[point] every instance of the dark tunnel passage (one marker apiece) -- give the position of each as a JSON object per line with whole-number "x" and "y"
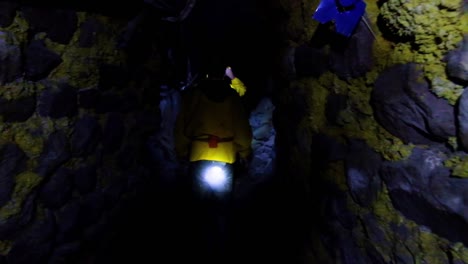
{"x": 156, "y": 227}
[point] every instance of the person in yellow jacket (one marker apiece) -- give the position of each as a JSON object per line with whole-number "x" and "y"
{"x": 212, "y": 131}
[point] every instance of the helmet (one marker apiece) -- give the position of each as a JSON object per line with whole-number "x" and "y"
{"x": 214, "y": 70}
{"x": 213, "y": 82}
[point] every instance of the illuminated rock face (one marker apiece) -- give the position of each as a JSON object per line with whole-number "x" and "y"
{"x": 404, "y": 105}
{"x": 73, "y": 129}
{"x": 384, "y": 156}
{"x": 422, "y": 186}
{"x": 457, "y": 62}
{"x": 463, "y": 119}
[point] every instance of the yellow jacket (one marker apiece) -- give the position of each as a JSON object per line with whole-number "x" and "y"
{"x": 199, "y": 117}
{"x": 239, "y": 86}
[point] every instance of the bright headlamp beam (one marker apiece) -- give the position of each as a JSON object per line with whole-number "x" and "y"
{"x": 215, "y": 177}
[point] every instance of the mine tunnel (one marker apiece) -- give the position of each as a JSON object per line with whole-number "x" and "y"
{"x": 357, "y": 111}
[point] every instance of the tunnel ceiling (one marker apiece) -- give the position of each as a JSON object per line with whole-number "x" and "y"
{"x": 245, "y": 32}
{"x": 242, "y": 30}
{"x": 122, "y": 8}
{"x": 239, "y": 28}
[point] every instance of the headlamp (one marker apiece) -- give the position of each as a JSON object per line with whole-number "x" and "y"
{"x": 215, "y": 177}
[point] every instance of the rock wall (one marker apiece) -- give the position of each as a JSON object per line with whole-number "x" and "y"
{"x": 378, "y": 147}
{"x": 74, "y": 116}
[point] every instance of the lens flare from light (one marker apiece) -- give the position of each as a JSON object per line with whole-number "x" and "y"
{"x": 215, "y": 177}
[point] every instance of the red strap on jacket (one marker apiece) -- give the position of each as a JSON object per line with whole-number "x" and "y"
{"x": 213, "y": 141}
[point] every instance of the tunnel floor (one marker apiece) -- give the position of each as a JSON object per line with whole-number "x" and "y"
{"x": 156, "y": 228}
